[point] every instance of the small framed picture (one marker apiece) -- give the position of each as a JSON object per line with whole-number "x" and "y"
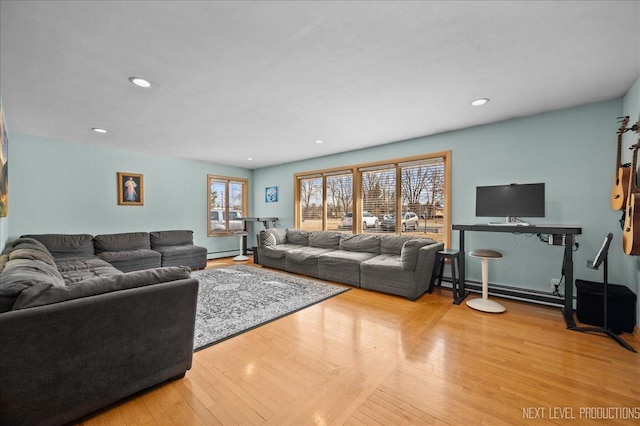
{"x": 130, "y": 189}
{"x": 271, "y": 194}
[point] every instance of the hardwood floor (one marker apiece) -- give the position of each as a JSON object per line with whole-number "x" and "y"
{"x": 370, "y": 358}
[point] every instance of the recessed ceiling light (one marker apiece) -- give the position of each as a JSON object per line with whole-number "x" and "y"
{"x": 98, "y": 130}
{"x": 479, "y": 101}
{"x": 319, "y": 142}
{"x": 140, "y": 82}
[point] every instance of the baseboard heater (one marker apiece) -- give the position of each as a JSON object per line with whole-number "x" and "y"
{"x": 515, "y": 293}
{"x": 221, "y": 253}
{"x": 225, "y": 253}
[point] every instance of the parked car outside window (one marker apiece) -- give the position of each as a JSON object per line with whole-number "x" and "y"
{"x": 368, "y": 220}
{"x": 218, "y": 220}
{"x": 410, "y": 220}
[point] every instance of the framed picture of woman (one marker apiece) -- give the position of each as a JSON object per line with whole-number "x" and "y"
{"x": 130, "y": 189}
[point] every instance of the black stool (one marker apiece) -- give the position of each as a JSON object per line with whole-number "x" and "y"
{"x": 454, "y": 259}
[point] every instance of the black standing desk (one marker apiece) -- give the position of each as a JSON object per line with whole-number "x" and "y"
{"x": 568, "y": 231}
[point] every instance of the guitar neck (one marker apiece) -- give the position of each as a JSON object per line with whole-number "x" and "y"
{"x": 619, "y": 154}
{"x": 633, "y": 187}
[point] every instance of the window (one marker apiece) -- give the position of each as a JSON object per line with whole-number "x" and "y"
{"x": 407, "y": 195}
{"x": 325, "y": 201}
{"x": 339, "y": 188}
{"x": 379, "y": 195}
{"x": 310, "y": 211}
{"x": 227, "y": 200}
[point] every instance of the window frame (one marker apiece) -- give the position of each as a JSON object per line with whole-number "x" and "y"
{"x": 227, "y": 180}
{"x": 357, "y": 170}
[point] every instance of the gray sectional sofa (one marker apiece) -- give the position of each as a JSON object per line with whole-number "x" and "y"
{"x": 395, "y": 264}
{"x": 77, "y": 333}
{"x": 142, "y": 250}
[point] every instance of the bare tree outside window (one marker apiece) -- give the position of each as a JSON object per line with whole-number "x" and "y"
{"x": 228, "y": 204}
{"x": 339, "y": 201}
{"x": 419, "y": 208}
{"x": 311, "y": 203}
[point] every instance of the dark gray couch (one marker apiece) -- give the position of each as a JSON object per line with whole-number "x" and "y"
{"x": 177, "y": 248}
{"x": 132, "y": 251}
{"x": 395, "y": 264}
{"x": 77, "y": 334}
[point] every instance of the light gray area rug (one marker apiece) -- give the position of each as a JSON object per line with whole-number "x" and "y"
{"x": 237, "y": 298}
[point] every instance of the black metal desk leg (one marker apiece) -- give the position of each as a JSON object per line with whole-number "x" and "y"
{"x": 462, "y": 293}
{"x": 568, "y": 284}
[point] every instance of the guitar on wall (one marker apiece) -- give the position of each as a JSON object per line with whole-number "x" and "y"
{"x": 631, "y": 228}
{"x": 621, "y": 178}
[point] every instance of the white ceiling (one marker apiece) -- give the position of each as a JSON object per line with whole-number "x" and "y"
{"x": 233, "y": 80}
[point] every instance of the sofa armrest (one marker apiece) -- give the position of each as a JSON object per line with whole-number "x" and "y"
{"x": 424, "y": 267}
{"x": 61, "y": 361}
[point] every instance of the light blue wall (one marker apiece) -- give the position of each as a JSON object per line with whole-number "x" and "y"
{"x": 63, "y": 187}
{"x": 572, "y": 151}
{"x": 631, "y": 107}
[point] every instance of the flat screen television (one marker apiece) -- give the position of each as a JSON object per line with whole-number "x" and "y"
{"x": 510, "y": 201}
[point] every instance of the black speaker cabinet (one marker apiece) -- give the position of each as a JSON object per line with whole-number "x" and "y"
{"x": 621, "y": 306}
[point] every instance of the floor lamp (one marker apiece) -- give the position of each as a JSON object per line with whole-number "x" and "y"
{"x": 601, "y": 258}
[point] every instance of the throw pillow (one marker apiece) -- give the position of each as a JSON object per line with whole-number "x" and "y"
{"x": 279, "y": 234}
{"x": 268, "y": 239}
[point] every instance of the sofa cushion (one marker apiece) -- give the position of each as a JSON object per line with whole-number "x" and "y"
{"x": 385, "y": 273}
{"x": 360, "y": 243}
{"x": 342, "y": 266}
{"x": 195, "y": 257}
{"x": 305, "y": 253}
{"x": 304, "y": 260}
{"x": 22, "y": 274}
{"x": 170, "y": 238}
{"x": 30, "y": 265}
{"x": 76, "y": 269}
{"x": 28, "y": 248}
{"x": 409, "y": 252}
{"x": 100, "y": 285}
{"x": 278, "y": 251}
{"x": 25, "y": 240}
{"x": 392, "y": 244}
{"x": 121, "y": 242}
{"x": 132, "y": 260}
{"x": 64, "y": 245}
{"x": 325, "y": 239}
{"x": 297, "y": 236}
